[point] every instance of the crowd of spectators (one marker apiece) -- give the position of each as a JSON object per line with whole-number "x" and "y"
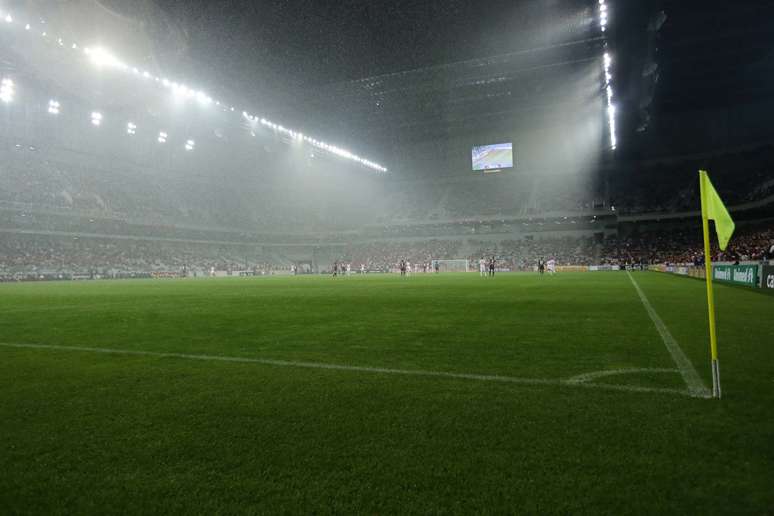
{"x": 33, "y": 181}
{"x": 754, "y": 243}
{"x": 30, "y": 181}
{"x": 25, "y": 254}
{"x": 57, "y": 216}
{"x": 40, "y": 254}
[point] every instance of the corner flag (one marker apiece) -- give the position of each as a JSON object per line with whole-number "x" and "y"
{"x": 712, "y": 208}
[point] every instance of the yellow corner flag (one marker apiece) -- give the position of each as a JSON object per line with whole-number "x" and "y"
{"x": 712, "y": 208}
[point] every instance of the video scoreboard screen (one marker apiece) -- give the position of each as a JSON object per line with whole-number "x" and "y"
{"x": 489, "y": 158}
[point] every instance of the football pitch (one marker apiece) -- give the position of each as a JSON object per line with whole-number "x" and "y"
{"x": 574, "y": 393}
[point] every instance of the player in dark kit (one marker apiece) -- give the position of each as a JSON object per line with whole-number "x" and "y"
{"x": 492, "y": 266}
{"x": 541, "y": 266}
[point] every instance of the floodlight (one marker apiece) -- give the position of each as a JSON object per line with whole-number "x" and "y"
{"x": 189, "y": 145}
{"x": 101, "y": 57}
{"x": 8, "y": 18}
{"x": 53, "y": 107}
{"x": 131, "y": 129}
{"x": 162, "y": 137}
{"x": 203, "y": 97}
{"x": 96, "y": 119}
{"x": 7, "y": 90}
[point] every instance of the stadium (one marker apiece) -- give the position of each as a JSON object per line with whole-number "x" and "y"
{"x": 386, "y": 257}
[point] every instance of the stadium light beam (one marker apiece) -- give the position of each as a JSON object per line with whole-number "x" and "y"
{"x": 103, "y": 58}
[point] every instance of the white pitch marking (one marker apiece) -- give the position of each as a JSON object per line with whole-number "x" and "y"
{"x": 690, "y": 376}
{"x": 587, "y": 377}
{"x": 363, "y": 369}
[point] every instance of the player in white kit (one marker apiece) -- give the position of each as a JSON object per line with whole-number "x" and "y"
{"x": 551, "y": 266}
{"x": 482, "y": 267}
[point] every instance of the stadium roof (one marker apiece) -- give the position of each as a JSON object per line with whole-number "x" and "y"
{"x": 52, "y": 50}
{"x": 694, "y": 65}
{"x": 379, "y": 69}
{"x": 373, "y": 74}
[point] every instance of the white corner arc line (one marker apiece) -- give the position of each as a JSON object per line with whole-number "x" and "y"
{"x": 687, "y": 371}
{"x": 362, "y": 369}
{"x": 587, "y": 377}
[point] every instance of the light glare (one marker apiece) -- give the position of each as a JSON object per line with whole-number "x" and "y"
{"x": 7, "y": 90}
{"x": 101, "y": 58}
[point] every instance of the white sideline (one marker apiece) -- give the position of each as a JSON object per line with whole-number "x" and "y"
{"x": 690, "y": 376}
{"x": 573, "y": 382}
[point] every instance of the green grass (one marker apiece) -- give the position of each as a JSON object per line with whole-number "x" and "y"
{"x": 86, "y": 432}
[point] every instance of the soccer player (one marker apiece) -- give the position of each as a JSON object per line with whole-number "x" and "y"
{"x": 551, "y": 266}
{"x": 482, "y": 267}
{"x": 408, "y": 268}
{"x": 541, "y": 266}
{"x": 349, "y": 269}
{"x": 492, "y": 267}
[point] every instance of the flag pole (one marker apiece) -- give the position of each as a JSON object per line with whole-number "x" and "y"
{"x": 716, "y": 392}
